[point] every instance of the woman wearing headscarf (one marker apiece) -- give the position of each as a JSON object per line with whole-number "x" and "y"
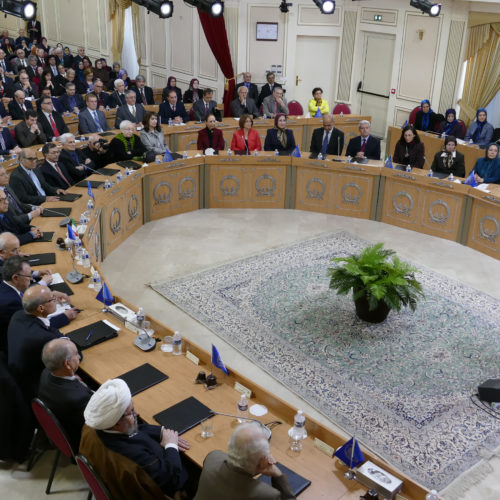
{"x": 451, "y": 126}
{"x": 449, "y": 161}
{"x": 409, "y": 149}
{"x": 480, "y": 131}
{"x": 426, "y": 118}
{"x": 279, "y": 138}
{"x": 171, "y": 85}
{"x": 194, "y": 93}
{"x": 487, "y": 169}
{"x": 101, "y": 72}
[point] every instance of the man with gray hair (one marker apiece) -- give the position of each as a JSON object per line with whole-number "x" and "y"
{"x": 143, "y": 92}
{"x": 71, "y": 101}
{"x": 365, "y": 146}
{"x": 275, "y": 103}
{"x": 62, "y": 390}
{"x": 117, "y": 97}
{"x": 131, "y": 111}
{"x": 229, "y": 476}
{"x": 74, "y": 159}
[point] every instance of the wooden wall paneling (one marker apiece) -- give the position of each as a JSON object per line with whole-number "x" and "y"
{"x": 207, "y": 64}
{"x": 50, "y": 19}
{"x": 71, "y": 33}
{"x": 158, "y": 44}
{"x": 92, "y": 24}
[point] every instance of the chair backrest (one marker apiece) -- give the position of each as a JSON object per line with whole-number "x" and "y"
{"x": 95, "y": 484}
{"x": 52, "y": 427}
{"x": 295, "y": 108}
{"x": 413, "y": 115}
{"x": 341, "y": 108}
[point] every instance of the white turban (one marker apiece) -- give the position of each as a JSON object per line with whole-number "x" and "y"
{"x": 108, "y": 404}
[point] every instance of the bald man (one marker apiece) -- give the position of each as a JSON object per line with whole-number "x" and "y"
{"x": 327, "y": 140}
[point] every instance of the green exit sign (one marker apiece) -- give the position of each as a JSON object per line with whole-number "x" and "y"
{"x": 377, "y": 17}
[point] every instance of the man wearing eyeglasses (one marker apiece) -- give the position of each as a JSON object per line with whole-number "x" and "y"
{"x": 29, "y": 184}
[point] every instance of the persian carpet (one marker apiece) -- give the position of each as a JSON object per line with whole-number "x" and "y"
{"x": 402, "y": 387}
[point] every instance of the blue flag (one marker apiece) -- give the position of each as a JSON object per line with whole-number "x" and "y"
{"x": 217, "y": 360}
{"x": 104, "y": 295}
{"x": 167, "y": 156}
{"x": 296, "y": 152}
{"x": 471, "y": 180}
{"x": 89, "y": 189}
{"x": 388, "y": 162}
{"x": 71, "y": 234}
{"x": 351, "y": 457}
{"x": 318, "y": 114}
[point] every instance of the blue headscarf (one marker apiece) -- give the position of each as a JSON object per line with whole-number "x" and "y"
{"x": 426, "y": 116}
{"x": 450, "y": 126}
{"x": 479, "y": 125}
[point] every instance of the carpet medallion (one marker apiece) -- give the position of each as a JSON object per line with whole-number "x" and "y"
{"x": 402, "y": 387}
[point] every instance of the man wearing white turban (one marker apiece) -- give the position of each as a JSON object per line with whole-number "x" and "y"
{"x": 111, "y": 426}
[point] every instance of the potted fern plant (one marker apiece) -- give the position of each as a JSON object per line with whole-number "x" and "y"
{"x": 380, "y": 281}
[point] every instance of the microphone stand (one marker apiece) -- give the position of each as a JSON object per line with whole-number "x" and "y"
{"x": 73, "y": 276}
{"x": 65, "y": 221}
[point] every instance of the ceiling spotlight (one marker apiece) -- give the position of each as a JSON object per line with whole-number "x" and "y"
{"x": 29, "y": 10}
{"x": 166, "y": 9}
{"x": 213, "y": 7}
{"x": 427, "y": 7}
{"x": 284, "y": 6}
{"x": 18, "y": 8}
{"x": 217, "y": 9}
{"x": 325, "y": 6}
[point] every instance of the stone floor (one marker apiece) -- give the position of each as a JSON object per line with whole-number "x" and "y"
{"x": 199, "y": 240}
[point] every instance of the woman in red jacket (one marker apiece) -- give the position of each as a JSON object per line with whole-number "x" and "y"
{"x": 246, "y": 139}
{"x": 210, "y": 137}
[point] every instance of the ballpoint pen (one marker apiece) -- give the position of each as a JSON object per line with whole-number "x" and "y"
{"x": 89, "y": 335}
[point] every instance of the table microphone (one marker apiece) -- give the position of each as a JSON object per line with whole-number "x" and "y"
{"x": 65, "y": 221}
{"x": 265, "y": 429}
{"x": 95, "y": 171}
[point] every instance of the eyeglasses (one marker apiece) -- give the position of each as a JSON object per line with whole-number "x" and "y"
{"x": 53, "y": 299}
{"x": 24, "y": 275}
{"x": 30, "y": 158}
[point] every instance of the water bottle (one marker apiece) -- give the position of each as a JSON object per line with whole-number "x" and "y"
{"x": 14, "y": 156}
{"x": 229, "y": 152}
{"x": 341, "y": 114}
{"x": 83, "y": 220}
{"x": 276, "y": 152}
{"x": 177, "y": 343}
{"x": 78, "y": 250}
{"x": 185, "y": 155}
{"x": 430, "y": 174}
{"x": 432, "y": 495}
{"x": 96, "y": 281}
{"x": 255, "y": 152}
{"x": 2, "y": 158}
{"x": 264, "y": 116}
{"x": 243, "y": 409}
{"x": 471, "y": 142}
{"x": 157, "y": 160}
{"x": 451, "y": 178}
{"x": 298, "y": 432}
{"x": 107, "y": 184}
{"x": 85, "y": 259}
{"x": 90, "y": 204}
{"x": 107, "y": 108}
{"x": 320, "y": 156}
{"x": 408, "y": 168}
{"x": 140, "y": 317}
{"x": 83, "y": 138}
{"x": 128, "y": 171}
{"x": 119, "y": 177}
{"x": 67, "y": 113}
{"x": 170, "y": 122}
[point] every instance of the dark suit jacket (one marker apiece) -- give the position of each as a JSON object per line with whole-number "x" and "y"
{"x": 26, "y": 138}
{"x": 10, "y": 143}
{"x": 26, "y": 337}
{"x": 31, "y": 72}
{"x": 26, "y": 191}
{"x": 8, "y": 223}
{"x": 335, "y": 145}
{"x": 66, "y": 160}
{"x": 265, "y": 91}
{"x": 457, "y": 167}
{"x": 27, "y": 92}
{"x": 199, "y": 110}
{"x": 123, "y": 113}
{"x": 148, "y": 93}
{"x": 217, "y": 139}
{"x": 47, "y": 129}
{"x": 372, "y": 147}
{"x": 80, "y": 103}
{"x": 8, "y": 65}
{"x": 19, "y": 209}
{"x": 34, "y": 32}
{"x": 3, "y": 110}
{"x": 67, "y": 399}
{"x": 250, "y": 108}
{"x": 104, "y": 97}
{"x": 253, "y": 91}
{"x": 56, "y": 103}
{"x": 272, "y": 143}
{"x": 165, "y": 92}
{"x": 87, "y": 124}
{"x": 166, "y": 112}
{"x": 116, "y": 99}
{"x": 52, "y": 176}
{"x": 16, "y": 111}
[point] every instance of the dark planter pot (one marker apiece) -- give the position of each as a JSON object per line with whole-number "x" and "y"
{"x": 378, "y": 314}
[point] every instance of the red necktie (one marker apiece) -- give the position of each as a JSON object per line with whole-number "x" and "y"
{"x": 54, "y": 128}
{"x": 173, "y": 109}
{"x": 59, "y": 171}
{"x": 363, "y": 144}
{"x": 206, "y": 109}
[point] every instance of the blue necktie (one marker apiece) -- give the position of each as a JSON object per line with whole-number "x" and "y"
{"x": 325, "y": 144}
{"x": 36, "y": 182}
{"x": 96, "y": 119}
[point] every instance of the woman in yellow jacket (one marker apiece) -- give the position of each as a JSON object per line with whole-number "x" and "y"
{"x": 318, "y": 106}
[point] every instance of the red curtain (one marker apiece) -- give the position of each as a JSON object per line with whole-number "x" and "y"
{"x": 215, "y": 32}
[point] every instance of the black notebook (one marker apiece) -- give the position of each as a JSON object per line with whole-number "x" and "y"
{"x": 42, "y": 259}
{"x": 143, "y": 377}
{"x": 184, "y": 415}
{"x": 297, "y": 483}
{"x": 105, "y": 134}
{"x": 56, "y": 212}
{"x": 129, "y": 163}
{"x": 69, "y": 197}
{"x": 94, "y": 184}
{"x": 61, "y": 287}
{"x": 93, "y": 334}
{"x": 47, "y": 236}
{"x": 108, "y": 171}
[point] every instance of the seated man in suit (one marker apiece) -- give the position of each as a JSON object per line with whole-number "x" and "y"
{"x": 28, "y": 182}
{"x": 53, "y": 124}
{"x": 144, "y": 93}
{"x": 63, "y": 392}
{"x": 7, "y": 143}
{"x": 74, "y": 159}
{"x": 55, "y": 174}
{"x": 20, "y": 60}
{"x": 268, "y": 88}
{"x": 71, "y": 101}
{"x": 4, "y": 62}
{"x": 102, "y": 97}
{"x": 253, "y": 92}
{"x": 228, "y": 476}
{"x": 327, "y": 140}
{"x": 275, "y": 103}
{"x": 111, "y": 425}
{"x": 173, "y": 110}
{"x": 47, "y": 91}
{"x": 132, "y": 111}
{"x": 92, "y": 120}
{"x": 206, "y": 106}
{"x": 244, "y": 105}
{"x": 117, "y": 98}
{"x": 365, "y": 146}
{"x": 18, "y": 106}
{"x": 29, "y": 88}
{"x": 22, "y": 38}
{"x": 29, "y": 131}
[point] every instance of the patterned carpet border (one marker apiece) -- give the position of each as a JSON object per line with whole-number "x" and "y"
{"x": 403, "y": 387}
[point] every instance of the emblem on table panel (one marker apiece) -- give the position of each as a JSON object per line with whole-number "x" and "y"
{"x": 133, "y": 207}
{"x": 402, "y": 203}
{"x": 187, "y": 192}
{"x": 229, "y": 185}
{"x": 439, "y": 211}
{"x": 351, "y": 193}
{"x": 115, "y": 220}
{"x": 315, "y": 188}
{"x": 489, "y": 228}
{"x": 162, "y": 192}
{"x": 265, "y": 185}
